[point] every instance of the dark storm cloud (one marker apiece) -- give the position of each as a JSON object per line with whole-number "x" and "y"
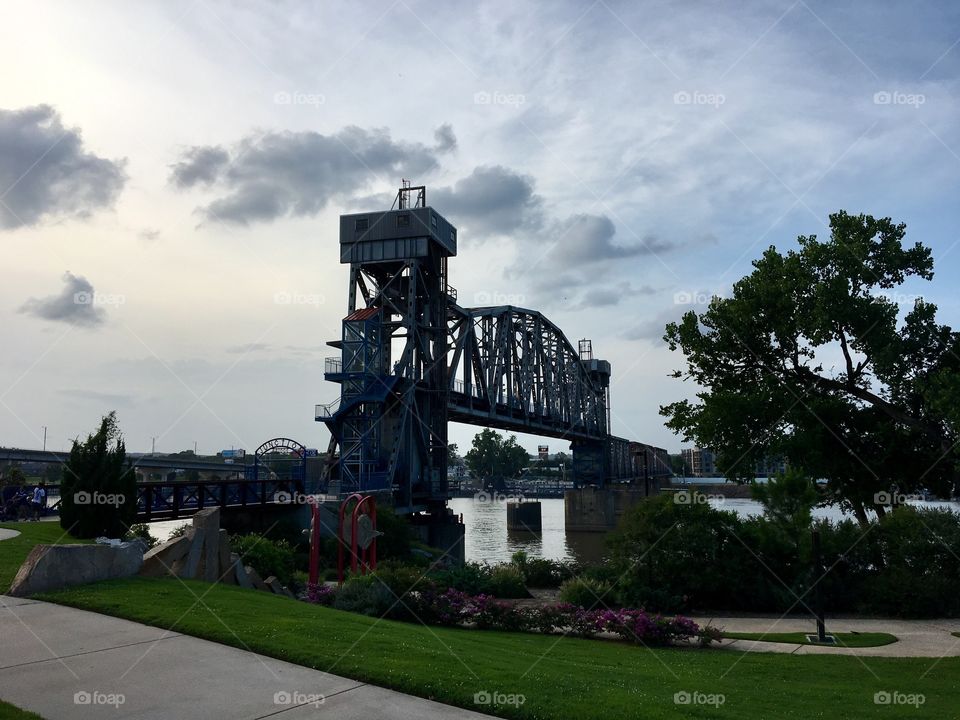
{"x": 584, "y": 239}
{"x": 74, "y": 304}
{"x": 446, "y": 140}
{"x": 45, "y": 170}
{"x": 490, "y": 200}
{"x": 198, "y": 166}
{"x": 278, "y": 174}
{"x": 610, "y": 296}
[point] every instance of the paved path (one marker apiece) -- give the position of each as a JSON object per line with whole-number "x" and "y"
{"x": 916, "y": 638}
{"x": 6, "y": 534}
{"x": 52, "y": 658}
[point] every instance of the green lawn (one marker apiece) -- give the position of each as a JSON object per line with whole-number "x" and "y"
{"x": 15, "y": 550}
{"x": 11, "y": 712}
{"x": 850, "y": 639}
{"x": 559, "y": 677}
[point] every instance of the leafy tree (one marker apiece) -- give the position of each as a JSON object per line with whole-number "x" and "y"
{"x": 99, "y": 489}
{"x": 494, "y": 458}
{"x": 14, "y": 476}
{"x": 883, "y": 422}
{"x": 53, "y": 473}
{"x": 788, "y": 499}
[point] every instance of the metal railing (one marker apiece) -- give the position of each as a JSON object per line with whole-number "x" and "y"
{"x": 333, "y": 365}
{"x": 327, "y": 410}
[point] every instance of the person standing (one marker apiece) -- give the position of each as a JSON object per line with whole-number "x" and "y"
{"x": 39, "y": 500}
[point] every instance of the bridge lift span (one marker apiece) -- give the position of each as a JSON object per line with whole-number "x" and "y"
{"x": 411, "y": 359}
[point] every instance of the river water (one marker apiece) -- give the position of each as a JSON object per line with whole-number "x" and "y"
{"x": 487, "y": 538}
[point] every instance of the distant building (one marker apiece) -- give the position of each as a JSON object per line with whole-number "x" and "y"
{"x": 699, "y": 462}
{"x": 771, "y": 466}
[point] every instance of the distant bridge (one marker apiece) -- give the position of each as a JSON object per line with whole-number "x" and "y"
{"x": 250, "y": 486}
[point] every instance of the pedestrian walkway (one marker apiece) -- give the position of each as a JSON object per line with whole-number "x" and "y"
{"x": 915, "y": 638}
{"x": 64, "y": 663}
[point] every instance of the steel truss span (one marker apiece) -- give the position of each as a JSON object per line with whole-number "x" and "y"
{"x": 513, "y": 368}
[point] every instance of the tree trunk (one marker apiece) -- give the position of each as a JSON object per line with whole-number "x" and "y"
{"x": 861, "y": 514}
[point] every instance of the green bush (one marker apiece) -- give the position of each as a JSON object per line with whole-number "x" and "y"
{"x": 365, "y": 594}
{"x": 675, "y": 557}
{"x": 506, "y": 581}
{"x": 267, "y": 557}
{"x": 98, "y": 494}
{"x": 403, "y": 579}
{"x": 540, "y": 572}
{"x": 179, "y": 531}
{"x": 921, "y": 569}
{"x": 471, "y": 578}
{"x": 141, "y": 531}
{"x": 587, "y": 593}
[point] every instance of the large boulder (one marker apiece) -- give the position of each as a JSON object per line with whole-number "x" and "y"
{"x": 161, "y": 560}
{"x": 51, "y": 567}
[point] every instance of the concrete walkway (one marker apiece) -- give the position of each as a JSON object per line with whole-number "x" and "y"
{"x": 6, "y": 533}
{"x": 915, "y": 638}
{"x": 61, "y": 662}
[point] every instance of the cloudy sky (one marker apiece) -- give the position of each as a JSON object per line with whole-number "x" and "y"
{"x": 171, "y": 175}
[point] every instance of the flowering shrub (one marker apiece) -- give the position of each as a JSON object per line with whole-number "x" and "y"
{"x": 320, "y": 594}
{"x": 441, "y": 608}
{"x": 453, "y": 607}
{"x": 485, "y": 611}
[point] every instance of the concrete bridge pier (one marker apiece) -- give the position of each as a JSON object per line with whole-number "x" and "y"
{"x": 596, "y": 509}
{"x": 524, "y": 516}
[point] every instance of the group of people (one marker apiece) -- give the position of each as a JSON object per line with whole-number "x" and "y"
{"x": 23, "y": 503}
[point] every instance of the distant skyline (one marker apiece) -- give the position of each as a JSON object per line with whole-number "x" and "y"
{"x": 171, "y": 176}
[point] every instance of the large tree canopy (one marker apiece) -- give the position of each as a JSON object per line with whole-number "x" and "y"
{"x": 810, "y": 360}
{"x": 494, "y": 458}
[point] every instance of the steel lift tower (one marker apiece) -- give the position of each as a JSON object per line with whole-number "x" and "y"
{"x": 390, "y": 425}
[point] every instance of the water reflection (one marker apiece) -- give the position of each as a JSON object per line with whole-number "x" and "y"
{"x": 487, "y": 538}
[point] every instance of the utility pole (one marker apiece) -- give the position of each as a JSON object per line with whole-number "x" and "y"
{"x": 194, "y": 447}
{"x": 153, "y": 446}
{"x": 44, "y": 438}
